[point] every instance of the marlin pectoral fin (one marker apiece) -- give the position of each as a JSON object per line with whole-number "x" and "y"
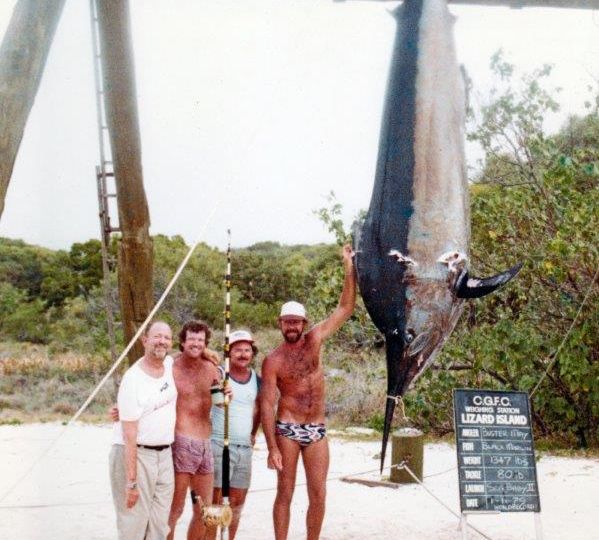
{"x": 469, "y": 287}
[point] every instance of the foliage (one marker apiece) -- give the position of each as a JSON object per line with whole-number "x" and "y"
{"x": 534, "y": 200}
{"x": 21, "y": 265}
{"x": 21, "y": 319}
{"x": 359, "y": 331}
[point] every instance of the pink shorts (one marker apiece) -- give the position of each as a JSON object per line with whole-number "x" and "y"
{"x": 192, "y": 456}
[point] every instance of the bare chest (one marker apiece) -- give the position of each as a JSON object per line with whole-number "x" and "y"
{"x": 300, "y": 366}
{"x": 193, "y": 384}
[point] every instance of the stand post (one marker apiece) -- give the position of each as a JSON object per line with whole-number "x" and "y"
{"x": 407, "y": 444}
{"x": 464, "y": 526}
{"x": 538, "y": 526}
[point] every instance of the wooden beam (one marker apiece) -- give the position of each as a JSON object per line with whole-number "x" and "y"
{"x": 23, "y": 56}
{"x": 135, "y": 260}
{"x": 517, "y": 4}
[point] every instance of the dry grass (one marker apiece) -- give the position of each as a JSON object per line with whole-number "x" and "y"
{"x": 37, "y": 362}
{"x": 36, "y": 385}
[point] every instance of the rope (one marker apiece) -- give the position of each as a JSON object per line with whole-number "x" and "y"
{"x": 567, "y": 334}
{"x": 401, "y": 415}
{"x": 331, "y": 478}
{"x": 405, "y": 466}
{"x": 401, "y": 465}
{"x": 118, "y": 361}
{"x": 52, "y": 505}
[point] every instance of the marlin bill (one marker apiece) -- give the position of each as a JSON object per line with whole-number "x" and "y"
{"x": 412, "y": 249}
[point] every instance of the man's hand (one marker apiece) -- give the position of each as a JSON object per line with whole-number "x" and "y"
{"x": 113, "y": 413}
{"x": 348, "y": 254}
{"x": 211, "y": 356}
{"x": 131, "y": 495}
{"x": 228, "y": 391}
{"x": 275, "y": 459}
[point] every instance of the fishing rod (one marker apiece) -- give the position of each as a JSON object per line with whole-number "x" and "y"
{"x": 221, "y": 515}
{"x": 226, "y": 459}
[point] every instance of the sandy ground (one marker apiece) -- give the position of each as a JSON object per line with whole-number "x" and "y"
{"x": 67, "y": 495}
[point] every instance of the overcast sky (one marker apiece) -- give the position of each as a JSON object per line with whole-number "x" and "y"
{"x": 264, "y": 105}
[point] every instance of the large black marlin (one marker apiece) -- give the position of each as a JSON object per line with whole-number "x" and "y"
{"x": 412, "y": 250}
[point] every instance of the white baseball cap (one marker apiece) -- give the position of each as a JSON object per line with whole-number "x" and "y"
{"x": 240, "y": 335}
{"x": 294, "y": 309}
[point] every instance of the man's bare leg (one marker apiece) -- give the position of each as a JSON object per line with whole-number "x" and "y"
{"x": 285, "y": 485}
{"x": 316, "y": 463}
{"x": 236, "y": 500}
{"x": 178, "y": 504}
{"x": 202, "y": 485}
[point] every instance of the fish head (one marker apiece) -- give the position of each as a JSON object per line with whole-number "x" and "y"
{"x": 428, "y": 313}
{"x": 431, "y": 313}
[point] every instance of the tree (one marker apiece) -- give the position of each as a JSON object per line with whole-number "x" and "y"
{"x": 534, "y": 201}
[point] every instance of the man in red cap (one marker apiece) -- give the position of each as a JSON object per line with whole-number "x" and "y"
{"x": 295, "y": 369}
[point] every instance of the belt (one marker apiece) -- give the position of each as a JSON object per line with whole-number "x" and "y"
{"x": 159, "y": 448}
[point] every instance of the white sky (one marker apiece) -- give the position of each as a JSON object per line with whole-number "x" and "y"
{"x": 265, "y": 105}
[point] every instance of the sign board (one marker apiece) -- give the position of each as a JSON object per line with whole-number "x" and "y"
{"x": 496, "y": 460}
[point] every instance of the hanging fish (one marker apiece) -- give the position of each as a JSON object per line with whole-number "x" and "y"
{"x": 412, "y": 249}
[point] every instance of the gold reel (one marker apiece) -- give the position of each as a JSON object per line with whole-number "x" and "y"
{"x": 215, "y": 515}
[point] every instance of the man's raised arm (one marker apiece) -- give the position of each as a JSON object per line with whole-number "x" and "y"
{"x": 347, "y": 301}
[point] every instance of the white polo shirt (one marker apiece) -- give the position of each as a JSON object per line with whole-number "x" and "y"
{"x": 150, "y": 401}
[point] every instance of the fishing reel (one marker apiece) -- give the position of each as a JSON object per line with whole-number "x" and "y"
{"x": 214, "y": 515}
{"x": 217, "y": 515}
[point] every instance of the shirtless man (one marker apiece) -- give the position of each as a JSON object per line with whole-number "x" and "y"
{"x": 194, "y": 371}
{"x": 295, "y": 369}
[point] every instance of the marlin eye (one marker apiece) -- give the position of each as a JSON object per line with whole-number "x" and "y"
{"x": 409, "y": 335}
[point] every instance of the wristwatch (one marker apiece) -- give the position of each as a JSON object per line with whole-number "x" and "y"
{"x": 132, "y": 485}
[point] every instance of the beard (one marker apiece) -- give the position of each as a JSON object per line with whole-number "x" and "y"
{"x": 292, "y": 336}
{"x": 159, "y": 353}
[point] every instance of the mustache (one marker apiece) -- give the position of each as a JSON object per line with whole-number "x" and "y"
{"x": 292, "y": 336}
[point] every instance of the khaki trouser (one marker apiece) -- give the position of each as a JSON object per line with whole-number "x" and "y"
{"x": 148, "y": 519}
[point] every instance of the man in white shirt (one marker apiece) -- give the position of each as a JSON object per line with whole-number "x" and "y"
{"x": 141, "y": 463}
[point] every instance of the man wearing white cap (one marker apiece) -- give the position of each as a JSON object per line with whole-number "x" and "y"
{"x": 244, "y": 419}
{"x": 295, "y": 369}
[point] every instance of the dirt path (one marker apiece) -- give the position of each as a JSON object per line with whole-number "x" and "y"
{"x": 67, "y": 495}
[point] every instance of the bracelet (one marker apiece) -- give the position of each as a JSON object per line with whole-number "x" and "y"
{"x": 132, "y": 485}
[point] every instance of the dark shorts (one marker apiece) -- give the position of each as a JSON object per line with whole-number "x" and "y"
{"x": 192, "y": 456}
{"x": 303, "y": 434}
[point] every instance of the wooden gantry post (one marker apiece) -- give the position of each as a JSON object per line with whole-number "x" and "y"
{"x": 135, "y": 259}
{"x": 23, "y": 56}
